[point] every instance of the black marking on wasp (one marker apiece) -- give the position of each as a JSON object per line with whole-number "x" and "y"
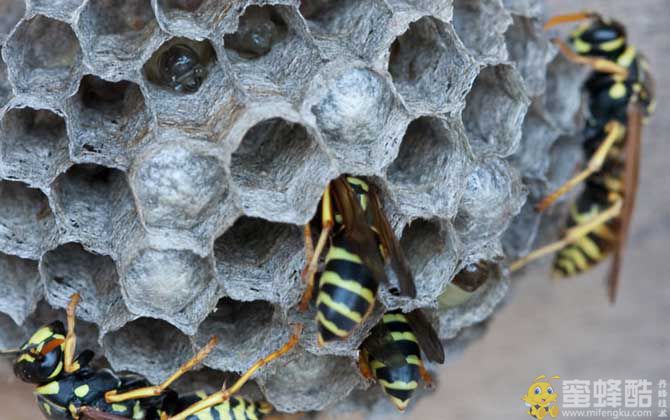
{"x": 361, "y": 243}
{"x": 392, "y": 354}
{"x": 69, "y": 388}
{"x": 620, "y": 97}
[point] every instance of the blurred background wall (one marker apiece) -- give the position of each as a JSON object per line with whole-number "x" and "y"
{"x": 562, "y": 328}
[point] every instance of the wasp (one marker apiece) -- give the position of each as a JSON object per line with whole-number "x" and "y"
{"x": 360, "y": 243}
{"x": 180, "y": 65}
{"x": 620, "y": 97}
{"x": 391, "y": 354}
{"x": 68, "y": 387}
{"x": 464, "y": 285}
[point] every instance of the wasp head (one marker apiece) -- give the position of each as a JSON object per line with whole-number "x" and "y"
{"x": 599, "y": 37}
{"x": 40, "y": 359}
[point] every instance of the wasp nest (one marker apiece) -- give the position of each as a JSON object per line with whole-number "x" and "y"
{"x": 160, "y": 157}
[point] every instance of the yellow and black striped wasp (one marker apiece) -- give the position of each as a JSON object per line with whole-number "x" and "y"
{"x": 392, "y": 354}
{"x": 620, "y": 95}
{"x": 68, "y": 388}
{"x": 361, "y": 243}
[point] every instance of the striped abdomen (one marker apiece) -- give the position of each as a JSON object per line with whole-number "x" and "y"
{"x": 346, "y": 294}
{"x": 400, "y": 380}
{"x": 236, "y": 408}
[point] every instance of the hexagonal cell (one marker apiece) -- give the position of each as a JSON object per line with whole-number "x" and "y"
{"x": 563, "y": 99}
{"x": 89, "y": 198}
{"x": 244, "y": 330}
{"x": 11, "y": 11}
{"x": 114, "y": 35}
{"x": 33, "y": 147}
{"x": 105, "y": 120}
{"x": 494, "y": 111}
{"x": 493, "y": 195}
{"x": 478, "y": 308}
{"x": 295, "y": 170}
{"x": 352, "y": 24}
{"x": 171, "y": 284}
{"x": 481, "y": 25}
{"x": 27, "y": 226}
{"x": 358, "y": 115}
{"x": 69, "y": 269}
{"x": 433, "y": 254}
{"x": 297, "y": 384}
{"x": 531, "y": 50}
{"x": 5, "y": 87}
{"x": 150, "y": 347}
{"x": 470, "y": 281}
{"x": 180, "y": 184}
{"x": 58, "y": 9}
{"x": 270, "y": 51}
{"x": 427, "y": 55}
{"x": 44, "y": 58}
{"x": 257, "y": 259}
{"x": 193, "y": 18}
{"x": 22, "y": 288}
{"x": 426, "y": 175}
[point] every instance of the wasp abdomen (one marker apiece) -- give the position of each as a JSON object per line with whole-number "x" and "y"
{"x": 236, "y": 408}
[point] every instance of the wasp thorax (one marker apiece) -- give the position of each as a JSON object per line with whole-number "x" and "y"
{"x": 258, "y": 30}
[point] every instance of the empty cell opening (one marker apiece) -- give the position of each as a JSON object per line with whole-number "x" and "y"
{"x": 252, "y": 258}
{"x": 147, "y": 346}
{"x": 472, "y": 17}
{"x": 85, "y": 193}
{"x": 11, "y": 335}
{"x": 274, "y": 148}
{"x": 69, "y": 269}
{"x": 181, "y": 64}
{"x": 528, "y": 47}
{"x": 34, "y": 145}
{"x": 259, "y": 30}
{"x": 26, "y": 221}
{"x": 21, "y": 286}
{"x": 424, "y": 153}
{"x": 109, "y": 117}
{"x": 11, "y": 11}
{"x": 47, "y": 55}
{"x": 422, "y": 240}
{"x": 494, "y": 111}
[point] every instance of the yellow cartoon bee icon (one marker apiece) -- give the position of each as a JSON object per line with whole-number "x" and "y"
{"x": 541, "y": 399}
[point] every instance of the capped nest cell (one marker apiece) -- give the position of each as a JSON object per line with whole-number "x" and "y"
{"x": 162, "y": 157}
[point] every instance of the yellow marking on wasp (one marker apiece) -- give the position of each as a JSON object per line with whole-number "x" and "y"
{"x": 264, "y": 407}
{"x": 359, "y": 182}
{"x": 577, "y": 257}
{"x": 394, "y": 318}
{"x": 618, "y": 90}
{"x": 567, "y": 265}
{"x": 119, "y": 408}
{"x": 205, "y": 415}
{"x": 251, "y": 412}
{"x": 590, "y": 248}
{"x": 652, "y": 106}
{"x": 201, "y": 394}
{"x": 337, "y": 253}
{"x": 376, "y": 364}
{"x": 364, "y": 202}
{"x": 613, "y": 184}
{"x": 224, "y": 411}
{"x": 413, "y": 359}
{"x": 41, "y": 335}
{"x": 331, "y": 277}
{"x": 330, "y": 326}
{"x": 581, "y": 46}
{"x": 399, "y": 385}
{"x": 583, "y": 218}
{"x": 238, "y": 411}
{"x": 627, "y": 57}
{"x": 612, "y": 45}
{"x": 81, "y": 391}
{"x": 52, "y": 388}
{"x": 138, "y": 412}
{"x": 399, "y": 336}
{"x": 605, "y": 232}
{"x": 340, "y": 308}
{"x": 27, "y": 357}
{"x": 57, "y": 371}
{"x": 47, "y": 408}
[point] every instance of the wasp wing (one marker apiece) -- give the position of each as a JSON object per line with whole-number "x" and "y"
{"x": 391, "y": 245}
{"x": 90, "y": 413}
{"x": 425, "y": 333}
{"x": 356, "y": 229}
{"x": 631, "y": 175}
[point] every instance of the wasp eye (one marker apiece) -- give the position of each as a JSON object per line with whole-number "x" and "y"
{"x": 538, "y": 391}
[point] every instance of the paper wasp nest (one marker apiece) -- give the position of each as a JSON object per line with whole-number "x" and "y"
{"x": 176, "y": 209}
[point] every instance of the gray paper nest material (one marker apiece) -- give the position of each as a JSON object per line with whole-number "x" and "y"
{"x": 178, "y": 216}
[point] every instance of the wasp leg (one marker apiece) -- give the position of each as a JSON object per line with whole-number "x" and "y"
{"x": 153, "y": 391}
{"x": 69, "y": 364}
{"x": 364, "y": 365}
{"x": 427, "y": 379}
{"x": 615, "y": 131}
{"x": 572, "y": 235}
{"x": 599, "y": 64}
{"x": 568, "y": 18}
{"x": 313, "y": 254}
{"x": 222, "y": 396}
